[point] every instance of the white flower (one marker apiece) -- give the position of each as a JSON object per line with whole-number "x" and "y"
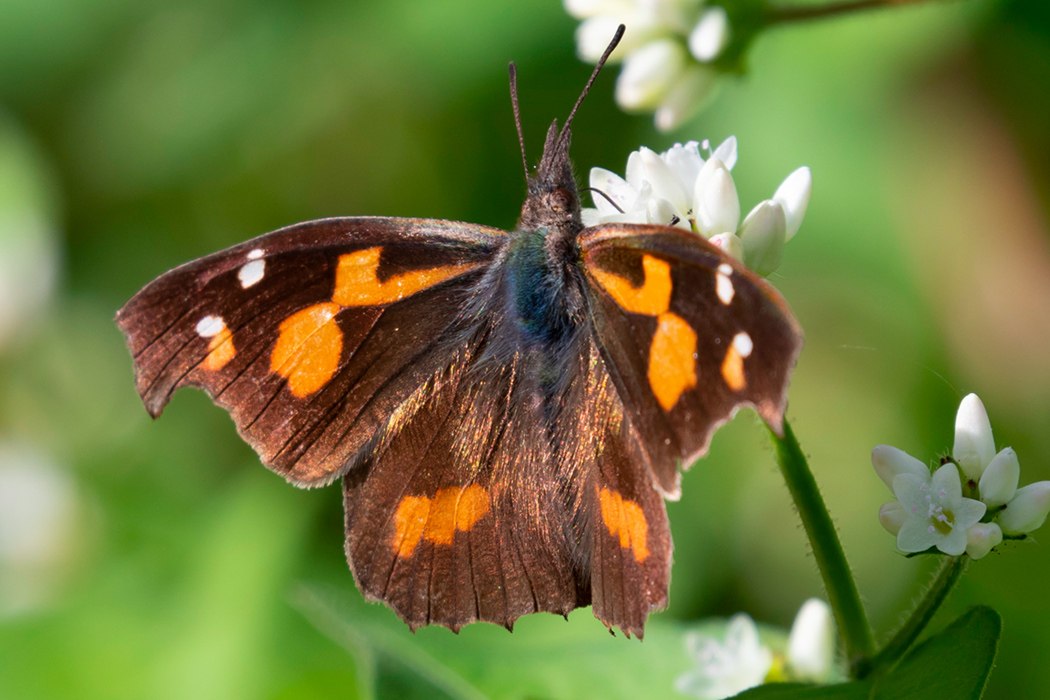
{"x": 811, "y": 644}
{"x": 665, "y": 49}
{"x": 725, "y": 668}
{"x": 932, "y": 512}
{"x": 937, "y": 515}
{"x": 982, "y": 538}
{"x": 974, "y": 446}
{"x": 681, "y": 188}
{"x": 1027, "y": 510}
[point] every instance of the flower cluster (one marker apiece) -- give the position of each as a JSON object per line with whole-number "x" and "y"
{"x": 968, "y": 504}
{"x": 667, "y": 52}
{"x": 679, "y": 187}
{"x": 730, "y": 665}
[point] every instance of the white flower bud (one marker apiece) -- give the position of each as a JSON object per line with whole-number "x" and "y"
{"x": 974, "y": 445}
{"x": 891, "y": 516}
{"x": 730, "y": 244}
{"x": 648, "y": 74}
{"x": 982, "y": 538}
{"x": 811, "y": 644}
{"x": 710, "y": 35}
{"x": 999, "y": 481}
{"x": 1027, "y": 510}
{"x": 793, "y": 195}
{"x": 615, "y": 187}
{"x": 716, "y": 207}
{"x": 662, "y": 213}
{"x": 690, "y": 93}
{"x": 762, "y": 235}
{"x": 890, "y": 461}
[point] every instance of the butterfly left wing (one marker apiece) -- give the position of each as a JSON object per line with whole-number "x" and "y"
{"x": 689, "y": 336}
{"x": 310, "y": 336}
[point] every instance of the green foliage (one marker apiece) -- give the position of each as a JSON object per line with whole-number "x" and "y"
{"x": 953, "y": 664}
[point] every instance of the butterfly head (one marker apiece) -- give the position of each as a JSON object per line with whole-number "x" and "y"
{"x": 553, "y": 203}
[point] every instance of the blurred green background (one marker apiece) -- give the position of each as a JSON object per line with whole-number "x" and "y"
{"x": 160, "y": 560}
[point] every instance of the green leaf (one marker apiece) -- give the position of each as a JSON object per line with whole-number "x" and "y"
{"x": 857, "y": 690}
{"x": 953, "y": 664}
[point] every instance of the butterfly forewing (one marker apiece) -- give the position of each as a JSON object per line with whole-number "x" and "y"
{"x": 689, "y": 334}
{"x": 310, "y": 336}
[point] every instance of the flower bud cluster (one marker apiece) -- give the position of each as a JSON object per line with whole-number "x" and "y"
{"x": 679, "y": 187}
{"x": 970, "y": 503}
{"x": 667, "y": 51}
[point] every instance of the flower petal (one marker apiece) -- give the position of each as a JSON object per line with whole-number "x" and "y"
{"x": 915, "y": 535}
{"x": 793, "y": 195}
{"x": 946, "y": 486}
{"x": 685, "y": 162}
{"x": 891, "y": 516}
{"x": 648, "y": 74}
{"x": 954, "y": 543}
{"x": 911, "y": 490}
{"x": 660, "y": 176}
{"x": 590, "y": 216}
{"x": 1027, "y": 510}
{"x": 762, "y": 235}
{"x": 726, "y": 152}
{"x": 974, "y": 445}
{"x": 982, "y": 538}
{"x": 710, "y": 35}
{"x": 890, "y": 461}
{"x": 999, "y": 481}
{"x": 716, "y": 208}
{"x": 662, "y": 213}
{"x": 811, "y": 643}
{"x": 968, "y": 513}
{"x": 615, "y": 187}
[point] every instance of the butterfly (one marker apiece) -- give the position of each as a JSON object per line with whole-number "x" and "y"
{"x": 507, "y": 411}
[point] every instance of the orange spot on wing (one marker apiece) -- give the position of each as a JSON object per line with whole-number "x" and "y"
{"x": 438, "y": 519}
{"x": 625, "y": 520}
{"x": 409, "y": 522}
{"x": 733, "y": 369}
{"x": 672, "y": 361}
{"x": 308, "y": 349}
{"x": 652, "y": 298}
{"x": 220, "y": 350}
{"x": 357, "y": 282}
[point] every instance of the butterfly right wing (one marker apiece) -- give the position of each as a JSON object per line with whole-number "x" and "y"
{"x": 311, "y": 336}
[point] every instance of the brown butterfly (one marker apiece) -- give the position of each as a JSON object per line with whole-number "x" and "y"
{"x": 507, "y": 411}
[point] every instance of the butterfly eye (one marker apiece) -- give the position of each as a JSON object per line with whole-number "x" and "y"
{"x": 560, "y": 200}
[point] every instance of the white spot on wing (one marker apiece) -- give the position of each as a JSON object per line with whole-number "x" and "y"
{"x": 255, "y": 254}
{"x": 210, "y": 326}
{"x": 725, "y": 269}
{"x": 252, "y": 272}
{"x": 742, "y": 343}
{"x": 724, "y": 286}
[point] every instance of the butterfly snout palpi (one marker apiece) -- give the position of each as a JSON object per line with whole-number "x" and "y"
{"x": 506, "y": 411}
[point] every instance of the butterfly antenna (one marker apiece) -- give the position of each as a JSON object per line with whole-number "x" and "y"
{"x": 517, "y": 114}
{"x": 586, "y": 88}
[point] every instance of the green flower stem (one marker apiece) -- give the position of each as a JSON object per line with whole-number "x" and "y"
{"x": 838, "y": 580}
{"x": 780, "y": 14}
{"x": 949, "y": 573}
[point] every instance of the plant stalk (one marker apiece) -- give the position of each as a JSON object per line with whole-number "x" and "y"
{"x": 782, "y": 14}
{"x": 948, "y": 575}
{"x": 827, "y": 550}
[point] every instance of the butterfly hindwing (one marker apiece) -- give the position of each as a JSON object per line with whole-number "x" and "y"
{"x": 457, "y": 514}
{"x": 690, "y": 335}
{"x": 309, "y": 336}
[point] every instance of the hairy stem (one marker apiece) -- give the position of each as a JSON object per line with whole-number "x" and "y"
{"x": 781, "y": 14}
{"x": 838, "y": 579}
{"x": 946, "y": 578}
